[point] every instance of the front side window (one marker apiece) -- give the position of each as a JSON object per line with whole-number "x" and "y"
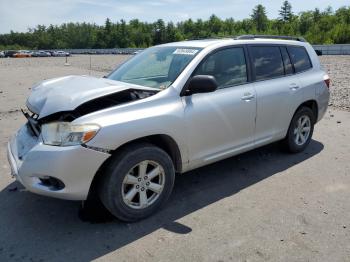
{"x": 228, "y": 66}
{"x": 299, "y": 58}
{"x": 156, "y": 67}
{"x": 267, "y": 62}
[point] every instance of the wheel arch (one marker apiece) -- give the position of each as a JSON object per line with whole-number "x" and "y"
{"x": 312, "y": 104}
{"x": 165, "y": 142}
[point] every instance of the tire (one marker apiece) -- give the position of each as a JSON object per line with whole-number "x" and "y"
{"x": 116, "y": 188}
{"x": 294, "y": 144}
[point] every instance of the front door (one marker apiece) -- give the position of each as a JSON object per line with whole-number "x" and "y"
{"x": 221, "y": 123}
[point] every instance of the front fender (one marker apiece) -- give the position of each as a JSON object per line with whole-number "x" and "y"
{"x": 120, "y": 125}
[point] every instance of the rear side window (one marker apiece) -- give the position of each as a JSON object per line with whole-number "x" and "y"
{"x": 267, "y": 62}
{"x": 228, "y": 66}
{"x": 300, "y": 58}
{"x": 288, "y": 69}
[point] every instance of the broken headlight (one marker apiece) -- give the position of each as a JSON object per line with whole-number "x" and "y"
{"x": 67, "y": 134}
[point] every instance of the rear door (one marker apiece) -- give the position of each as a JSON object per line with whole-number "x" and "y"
{"x": 302, "y": 65}
{"x": 221, "y": 123}
{"x": 276, "y": 88}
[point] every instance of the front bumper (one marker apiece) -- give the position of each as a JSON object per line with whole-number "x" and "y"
{"x": 31, "y": 160}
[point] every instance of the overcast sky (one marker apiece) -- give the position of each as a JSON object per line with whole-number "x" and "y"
{"x": 19, "y": 15}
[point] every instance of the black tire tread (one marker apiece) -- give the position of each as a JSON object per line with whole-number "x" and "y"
{"x": 288, "y": 142}
{"x": 121, "y": 160}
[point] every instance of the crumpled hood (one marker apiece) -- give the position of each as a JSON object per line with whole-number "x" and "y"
{"x": 67, "y": 93}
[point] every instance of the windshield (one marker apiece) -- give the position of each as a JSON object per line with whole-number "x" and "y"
{"x": 156, "y": 67}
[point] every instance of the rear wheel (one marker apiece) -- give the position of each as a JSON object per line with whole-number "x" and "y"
{"x": 300, "y": 130}
{"x": 138, "y": 181}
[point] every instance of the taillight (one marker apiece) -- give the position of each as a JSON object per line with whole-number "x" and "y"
{"x": 327, "y": 80}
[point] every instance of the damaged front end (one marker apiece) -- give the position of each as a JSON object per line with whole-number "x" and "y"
{"x": 100, "y": 103}
{"x": 56, "y": 129}
{"x": 32, "y": 123}
{"x": 55, "y": 122}
{"x": 51, "y": 145}
{"x": 68, "y": 98}
{"x": 55, "y": 103}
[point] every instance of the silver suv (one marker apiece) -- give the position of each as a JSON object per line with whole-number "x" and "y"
{"x": 169, "y": 109}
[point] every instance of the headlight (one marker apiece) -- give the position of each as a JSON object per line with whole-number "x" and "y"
{"x": 67, "y": 134}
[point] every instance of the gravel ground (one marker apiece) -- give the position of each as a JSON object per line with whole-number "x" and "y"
{"x": 264, "y": 205}
{"x": 338, "y": 68}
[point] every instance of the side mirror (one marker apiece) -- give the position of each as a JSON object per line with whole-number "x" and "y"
{"x": 201, "y": 84}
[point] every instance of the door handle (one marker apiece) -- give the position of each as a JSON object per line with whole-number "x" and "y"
{"x": 293, "y": 86}
{"x": 247, "y": 97}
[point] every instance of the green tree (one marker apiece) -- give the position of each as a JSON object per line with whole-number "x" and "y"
{"x": 259, "y": 18}
{"x": 215, "y": 25}
{"x": 107, "y": 34}
{"x": 159, "y": 32}
{"x": 318, "y": 27}
{"x": 285, "y": 12}
{"x": 317, "y": 15}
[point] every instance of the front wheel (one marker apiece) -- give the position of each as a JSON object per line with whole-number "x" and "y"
{"x": 300, "y": 130}
{"x": 138, "y": 181}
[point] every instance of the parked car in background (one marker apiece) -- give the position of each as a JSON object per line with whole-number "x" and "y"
{"x": 22, "y": 53}
{"x": 10, "y": 53}
{"x": 41, "y": 54}
{"x": 49, "y": 51}
{"x": 2, "y": 54}
{"x": 170, "y": 109}
{"x": 60, "y": 53}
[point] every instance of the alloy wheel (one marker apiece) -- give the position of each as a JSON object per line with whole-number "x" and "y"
{"x": 302, "y": 130}
{"x": 143, "y": 184}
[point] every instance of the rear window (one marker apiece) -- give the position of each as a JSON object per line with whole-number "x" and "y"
{"x": 300, "y": 58}
{"x": 267, "y": 62}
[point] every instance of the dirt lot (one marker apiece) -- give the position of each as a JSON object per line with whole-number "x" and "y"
{"x": 264, "y": 205}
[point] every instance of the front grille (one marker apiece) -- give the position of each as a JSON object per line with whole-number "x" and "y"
{"x": 33, "y": 123}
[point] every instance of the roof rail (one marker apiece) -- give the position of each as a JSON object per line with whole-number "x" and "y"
{"x": 284, "y": 37}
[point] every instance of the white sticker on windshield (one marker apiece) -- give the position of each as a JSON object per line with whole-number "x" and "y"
{"x": 183, "y": 51}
